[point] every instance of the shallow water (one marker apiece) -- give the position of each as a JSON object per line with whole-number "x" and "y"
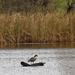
{"x": 58, "y": 61}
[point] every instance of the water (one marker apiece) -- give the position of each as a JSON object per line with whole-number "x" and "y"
{"x": 39, "y": 45}
{"x": 58, "y": 61}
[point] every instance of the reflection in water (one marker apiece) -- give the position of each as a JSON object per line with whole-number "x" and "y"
{"x": 39, "y": 45}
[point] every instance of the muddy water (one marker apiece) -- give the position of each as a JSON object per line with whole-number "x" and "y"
{"x": 58, "y": 61}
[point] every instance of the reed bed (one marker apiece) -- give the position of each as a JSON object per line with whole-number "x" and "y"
{"x": 37, "y": 28}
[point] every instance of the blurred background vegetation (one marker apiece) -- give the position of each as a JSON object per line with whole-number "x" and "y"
{"x": 9, "y": 6}
{"x": 37, "y": 21}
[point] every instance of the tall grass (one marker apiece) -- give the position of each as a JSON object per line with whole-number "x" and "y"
{"x": 37, "y": 28}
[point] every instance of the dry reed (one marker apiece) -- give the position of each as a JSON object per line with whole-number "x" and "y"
{"x": 36, "y": 28}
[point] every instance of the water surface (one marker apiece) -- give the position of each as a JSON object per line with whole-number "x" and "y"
{"x": 58, "y": 61}
{"x": 39, "y": 45}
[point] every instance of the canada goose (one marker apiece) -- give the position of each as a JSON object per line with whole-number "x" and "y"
{"x": 32, "y": 59}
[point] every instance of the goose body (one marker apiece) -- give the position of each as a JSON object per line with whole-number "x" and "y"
{"x": 32, "y": 59}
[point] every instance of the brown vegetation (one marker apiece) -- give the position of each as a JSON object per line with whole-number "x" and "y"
{"x": 37, "y": 28}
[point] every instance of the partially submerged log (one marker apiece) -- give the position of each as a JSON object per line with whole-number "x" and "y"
{"x": 34, "y": 64}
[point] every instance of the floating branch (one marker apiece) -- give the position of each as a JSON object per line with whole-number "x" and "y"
{"x": 35, "y": 64}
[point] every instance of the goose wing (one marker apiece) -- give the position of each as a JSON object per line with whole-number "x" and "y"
{"x": 32, "y": 59}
